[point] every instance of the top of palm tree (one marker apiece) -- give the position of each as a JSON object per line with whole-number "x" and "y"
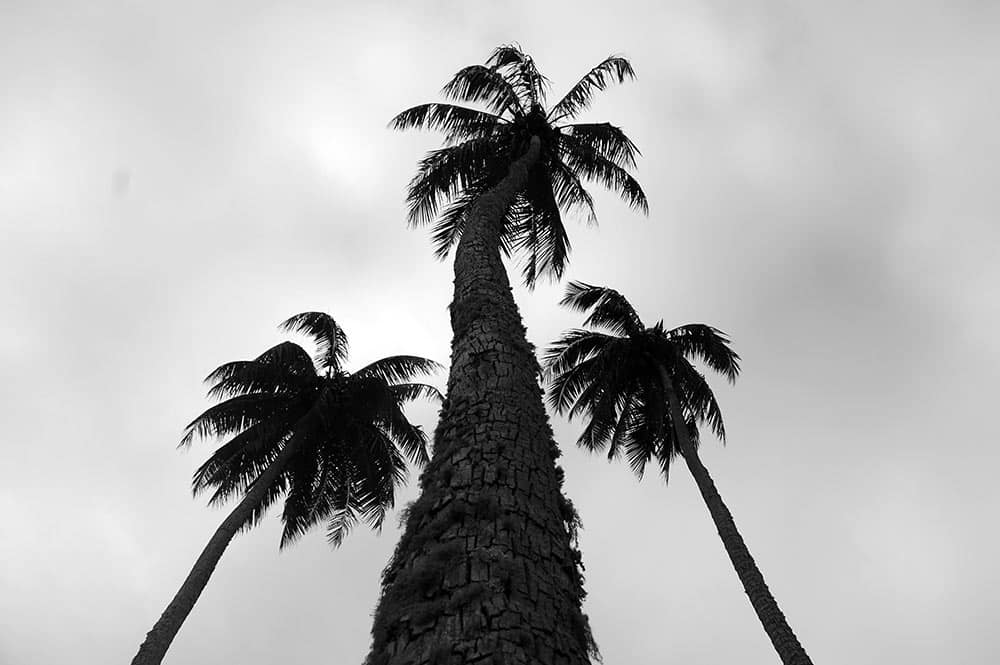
{"x": 481, "y": 144}
{"x": 615, "y": 378}
{"x": 352, "y": 435}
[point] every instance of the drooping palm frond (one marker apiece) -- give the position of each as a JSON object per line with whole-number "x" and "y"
{"x": 608, "y": 308}
{"x": 235, "y": 415}
{"x": 707, "y": 344}
{"x": 479, "y": 83}
{"x": 583, "y": 158}
{"x": 697, "y": 399}
{"x": 330, "y": 338}
{"x": 570, "y": 193}
{"x": 612, "y": 68}
{"x": 573, "y": 348}
{"x": 445, "y": 174}
{"x": 606, "y": 140}
{"x": 283, "y": 368}
{"x": 239, "y": 457}
{"x": 538, "y": 232}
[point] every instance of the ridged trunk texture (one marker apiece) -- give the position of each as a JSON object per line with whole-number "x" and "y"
{"x": 485, "y": 571}
{"x": 158, "y": 640}
{"x": 764, "y": 604}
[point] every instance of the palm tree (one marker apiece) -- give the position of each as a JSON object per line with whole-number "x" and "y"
{"x": 486, "y": 564}
{"x": 334, "y": 443}
{"x": 643, "y": 398}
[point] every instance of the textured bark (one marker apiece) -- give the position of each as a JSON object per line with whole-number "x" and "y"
{"x": 764, "y": 604}
{"x": 158, "y": 640}
{"x": 485, "y": 571}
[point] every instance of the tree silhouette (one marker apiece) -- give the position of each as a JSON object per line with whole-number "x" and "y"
{"x": 643, "y": 399}
{"x": 486, "y": 564}
{"x": 333, "y": 443}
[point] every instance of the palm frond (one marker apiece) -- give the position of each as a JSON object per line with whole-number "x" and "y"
{"x": 238, "y": 474}
{"x": 330, "y": 338}
{"x": 570, "y": 193}
{"x": 479, "y": 83}
{"x": 289, "y": 357}
{"x": 521, "y": 72}
{"x": 235, "y": 415}
{"x": 394, "y": 369}
{"x": 582, "y": 158}
{"x": 605, "y": 140}
{"x": 605, "y": 408}
{"x": 457, "y": 122}
{"x": 253, "y": 376}
{"x": 612, "y": 68}
{"x": 540, "y": 233}
{"x": 697, "y": 398}
{"x": 621, "y": 436}
{"x": 249, "y": 450}
{"x": 443, "y": 175}
{"x": 300, "y": 514}
{"x": 708, "y": 344}
{"x": 408, "y": 392}
{"x": 572, "y": 348}
{"x": 608, "y": 308}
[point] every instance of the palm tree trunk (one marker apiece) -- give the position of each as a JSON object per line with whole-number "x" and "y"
{"x": 764, "y": 604}
{"x": 485, "y": 567}
{"x": 158, "y": 640}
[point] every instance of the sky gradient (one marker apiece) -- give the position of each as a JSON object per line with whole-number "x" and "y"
{"x": 176, "y": 179}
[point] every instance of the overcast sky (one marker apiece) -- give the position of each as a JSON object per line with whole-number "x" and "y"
{"x": 176, "y": 178}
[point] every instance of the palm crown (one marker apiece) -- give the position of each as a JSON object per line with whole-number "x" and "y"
{"x": 351, "y": 435}
{"x": 480, "y": 144}
{"x": 620, "y": 378}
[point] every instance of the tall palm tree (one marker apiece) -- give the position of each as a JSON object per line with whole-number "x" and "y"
{"x": 486, "y": 564}
{"x": 643, "y": 398}
{"x": 334, "y": 443}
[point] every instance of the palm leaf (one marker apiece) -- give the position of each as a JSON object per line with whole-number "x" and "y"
{"x": 457, "y": 122}
{"x": 608, "y": 308}
{"x": 582, "y": 158}
{"x": 540, "y": 233}
{"x": 408, "y": 392}
{"x": 235, "y": 415}
{"x": 479, "y": 83}
{"x": 612, "y": 68}
{"x": 570, "y": 193}
{"x": 330, "y": 338}
{"x": 394, "y": 369}
{"x": 708, "y": 344}
{"x": 605, "y": 140}
{"x": 521, "y": 72}
{"x": 444, "y": 174}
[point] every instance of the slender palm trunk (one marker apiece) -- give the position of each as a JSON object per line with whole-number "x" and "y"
{"x": 764, "y": 604}
{"x": 485, "y": 571}
{"x": 158, "y": 640}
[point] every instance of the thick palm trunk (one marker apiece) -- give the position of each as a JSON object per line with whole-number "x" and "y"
{"x": 764, "y": 604}
{"x": 158, "y": 640}
{"x": 485, "y": 571}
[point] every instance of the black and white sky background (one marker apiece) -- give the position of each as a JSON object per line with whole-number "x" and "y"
{"x": 177, "y": 178}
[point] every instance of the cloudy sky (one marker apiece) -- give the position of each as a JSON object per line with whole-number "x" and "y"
{"x": 177, "y": 178}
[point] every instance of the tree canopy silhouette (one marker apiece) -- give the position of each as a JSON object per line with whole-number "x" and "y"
{"x": 642, "y": 397}
{"x": 333, "y": 443}
{"x": 480, "y": 145}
